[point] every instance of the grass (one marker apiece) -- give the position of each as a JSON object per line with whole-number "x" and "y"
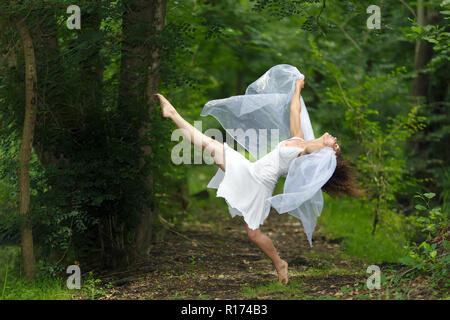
{"x": 17, "y": 288}
{"x": 275, "y": 290}
{"x": 352, "y": 220}
{"x": 14, "y": 286}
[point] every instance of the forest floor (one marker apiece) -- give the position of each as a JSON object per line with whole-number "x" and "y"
{"x": 216, "y": 260}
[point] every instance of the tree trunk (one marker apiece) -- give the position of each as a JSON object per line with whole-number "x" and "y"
{"x": 144, "y": 231}
{"x": 25, "y": 148}
{"x": 142, "y": 20}
{"x": 423, "y": 51}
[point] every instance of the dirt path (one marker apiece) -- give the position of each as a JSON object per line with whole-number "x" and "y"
{"x": 217, "y": 261}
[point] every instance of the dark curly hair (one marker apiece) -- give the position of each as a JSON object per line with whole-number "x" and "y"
{"x": 343, "y": 181}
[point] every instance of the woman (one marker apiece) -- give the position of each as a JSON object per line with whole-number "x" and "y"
{"x": 247, "y": 186}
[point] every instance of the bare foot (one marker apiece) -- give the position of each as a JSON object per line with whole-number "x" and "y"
{"x": 167, "y": 109}
{"x": 282, "y": 270}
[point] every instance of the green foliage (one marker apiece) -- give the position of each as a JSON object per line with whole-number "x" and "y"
{"x": 430, "y": 256}
{"x": 93, "y": 288}
{"x": 13, "y": 286}
{"x": 41, "y": 289}
{"x": 445, "y": 196}
{"x": 437, "y": 34}
{"x": 378, "y": 139}
{"x": 86, "y": 166}
{"x": 8, "y": 206}
{"x": 350, "y": 221}
{"x": 308, "y": 12}
{"x": 428, "y": 148}
{"x": 50, "y": 284}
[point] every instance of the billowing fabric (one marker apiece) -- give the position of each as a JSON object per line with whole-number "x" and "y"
{"x": 266, "y": 107}
{"x": 302, "y": 194}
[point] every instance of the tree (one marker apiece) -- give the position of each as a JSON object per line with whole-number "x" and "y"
{"x": 26, "y": 145}
{"x": 93, "y": 124}
{"x": 140, "y": 76}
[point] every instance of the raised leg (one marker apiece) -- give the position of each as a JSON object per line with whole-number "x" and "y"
{"x": 266, "y": 245}
{"x": 197, "y": 138}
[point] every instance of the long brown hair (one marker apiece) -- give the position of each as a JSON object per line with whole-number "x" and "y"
{"x": 343, "y": 181}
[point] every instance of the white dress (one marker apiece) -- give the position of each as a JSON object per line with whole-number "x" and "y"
{"x": 246, "y": 185}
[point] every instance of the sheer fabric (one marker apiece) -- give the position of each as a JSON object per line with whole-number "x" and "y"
{"x": 302, "y": 194}
{"x": 265, "y": 107}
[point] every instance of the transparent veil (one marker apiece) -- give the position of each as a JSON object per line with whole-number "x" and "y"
{"x": 265, "y": 108}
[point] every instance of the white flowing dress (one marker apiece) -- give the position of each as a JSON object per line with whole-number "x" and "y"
{"x": 247, "y": 185}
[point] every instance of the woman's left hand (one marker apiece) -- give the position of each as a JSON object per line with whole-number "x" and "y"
{"x": 300, "y": 83}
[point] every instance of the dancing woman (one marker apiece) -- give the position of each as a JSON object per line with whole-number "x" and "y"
{"x": 247, "y": 186}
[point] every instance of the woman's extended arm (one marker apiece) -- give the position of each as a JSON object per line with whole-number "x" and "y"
{"x": 313, "y": 145}
{"x": 294, "y": 116}
{"x": 327, "y": 140}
